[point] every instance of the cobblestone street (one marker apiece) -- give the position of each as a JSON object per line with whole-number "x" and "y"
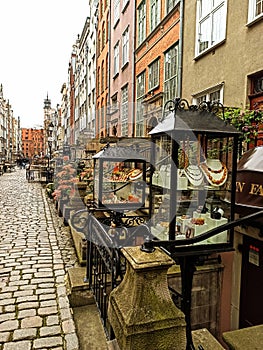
{"x": 35, "y": 252}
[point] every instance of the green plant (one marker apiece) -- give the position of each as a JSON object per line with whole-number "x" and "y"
{"x": 246, "y": 121}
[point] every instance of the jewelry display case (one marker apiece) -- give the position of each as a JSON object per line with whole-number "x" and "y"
{"x": 119, "y": 178}
{"x": 194, "y": 156}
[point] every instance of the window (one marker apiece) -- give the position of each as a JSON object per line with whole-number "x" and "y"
{"x": 124, "y": 111}
{"x": 98, "y": 81}
{"x": 140, "y": 92}
{"x": 125, "y": 47}
{"x": 102, "y": 76}
{"x": 170, "y": 73}
{"x": 107, "y": 73}
{"x": 102, "y": 114}
{"x": 116, "y": 11}
{"x": 141, "y": 22}
{"x": 154, "y": 74}
{"x": 99, "y": 43}
{"x": 101, "y": 8}
{"x": 214, "y": 94}
{"x": 170, "y": 4}
{"x": 124, "y": 4}
{"x": 211, "y": 24}
{"x": 140, "y": 84}
{"x": 116, "y": 59}
{"x": 257, "y": 85}
{"x": 255, "y": 10}
{"x": 103, "y": 35}
{"x": 114, "y": 104}
{"x": 154, "y": 14}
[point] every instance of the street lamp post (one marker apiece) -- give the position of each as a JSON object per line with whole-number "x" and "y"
{"x": 50, "y": 141}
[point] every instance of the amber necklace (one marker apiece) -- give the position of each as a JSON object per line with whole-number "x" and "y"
{"x": 208, "y": 172}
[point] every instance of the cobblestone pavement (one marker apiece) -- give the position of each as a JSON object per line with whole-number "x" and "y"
{"x": 35, "y": 252}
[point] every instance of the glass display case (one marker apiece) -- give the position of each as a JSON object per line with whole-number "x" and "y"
{"x": 194, "y": 156}
{"x": 119, "y": 178}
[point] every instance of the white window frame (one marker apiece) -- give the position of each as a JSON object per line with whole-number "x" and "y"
{"x": 209, "y": 93}
{"x": 210, "y": 24}
{"x": 125, "y": 46}
{"x": 170, "y": 4}
{"x": 116, "y": 11}
{"x": 170, "y": 83}
{"x": 154, "y": 74}
{"x": 252, "y": 11}
{"x": 116, "y": 59}
{"x": 141, "y": 24}
{"x": 124, "y": 110}
{"x": 140, "y": 93}
{"x": 124, "y": 4}
{"x": 154, "y": 14}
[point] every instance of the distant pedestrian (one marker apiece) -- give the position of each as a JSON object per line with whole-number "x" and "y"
{"x": 27, "y": 166}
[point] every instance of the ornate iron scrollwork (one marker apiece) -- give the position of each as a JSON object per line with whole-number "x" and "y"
{"x": 79, "y": 220}
{"x": 183, "y": 105}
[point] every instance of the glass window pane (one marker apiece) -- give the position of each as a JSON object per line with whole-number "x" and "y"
{"x": 204, "y": 36}
{"x": 205, "y": 7}
{"x": 218, "y": 26}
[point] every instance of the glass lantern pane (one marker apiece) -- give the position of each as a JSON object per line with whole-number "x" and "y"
{"x": 122, "y": 184}
{"x": 201, "y": 197}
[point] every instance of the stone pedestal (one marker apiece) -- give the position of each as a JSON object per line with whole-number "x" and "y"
{"x": 141, "y": 311}
{"x": 80, "y": 244}
{"x": 61, "y": 203}
{"x": 81, "y": 189}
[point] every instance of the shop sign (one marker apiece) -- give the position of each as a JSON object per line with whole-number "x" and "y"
{"x": 253, "y": 255}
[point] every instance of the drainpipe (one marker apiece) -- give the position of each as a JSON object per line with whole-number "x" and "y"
{"x": 180, "y": 50}
{"x": 109, "y": 70}
{"x": 133, "y": 75}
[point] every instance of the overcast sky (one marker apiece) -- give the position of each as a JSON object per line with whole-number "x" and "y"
{"x": 35, "y": 48}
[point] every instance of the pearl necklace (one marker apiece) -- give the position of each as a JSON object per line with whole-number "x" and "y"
{"x": 194, "y": 175}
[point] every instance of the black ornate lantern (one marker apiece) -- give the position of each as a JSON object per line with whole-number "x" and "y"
{"x": 193, "y": 179}
{"x": 119, "y": 178}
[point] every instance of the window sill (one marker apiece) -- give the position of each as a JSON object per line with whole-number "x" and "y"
{"x": 116, "y": 76}
{"x": 125, "y": 66}
{"x": 125, "y": 6}
{"x": 255, "y": 20}
{"x": 210, "y": 49}
{"x": 116, "y": 23}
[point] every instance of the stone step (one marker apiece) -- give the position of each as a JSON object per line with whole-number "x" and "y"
{"x": 245, "y": 338}
{"x": 77, "y": 289}
{"x": 113, "y": 345}
{"x": 89, "y": 328}
{"x": 86, "y": 316}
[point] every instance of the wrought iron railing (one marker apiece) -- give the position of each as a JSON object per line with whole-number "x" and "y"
{"x": 105, "y": 264}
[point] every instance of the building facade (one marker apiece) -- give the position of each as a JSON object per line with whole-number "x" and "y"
{"x": 222, "y": 62}
{"x": 121, "y": 61}
{"x": 157, "y": 70}
{"x": 102, "y": 64}
{"x": 32, "y": 143}
{"x": 10, "y": 133}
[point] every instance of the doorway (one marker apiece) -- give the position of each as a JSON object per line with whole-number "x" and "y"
{"x": 251, "y": 296}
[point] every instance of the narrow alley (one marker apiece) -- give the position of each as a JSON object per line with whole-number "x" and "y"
{"x": 35, "y": 252}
